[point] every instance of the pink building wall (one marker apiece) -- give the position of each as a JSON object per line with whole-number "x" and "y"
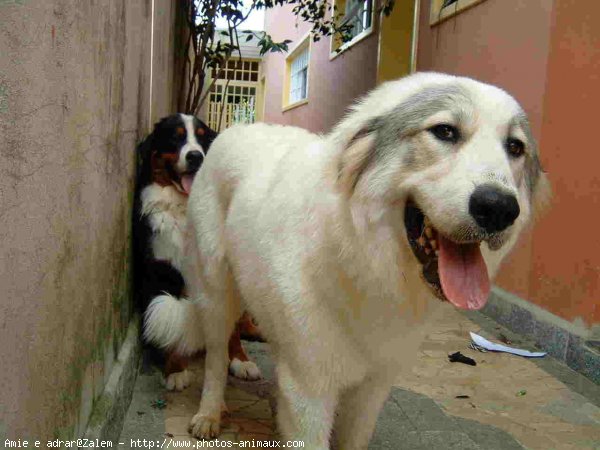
{"x": 546, "y": 53}
{"x": 332, "y": 85}
{"x": 475, "y": 43}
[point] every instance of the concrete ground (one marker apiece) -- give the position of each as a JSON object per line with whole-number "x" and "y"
{"x": 511, "y": 402}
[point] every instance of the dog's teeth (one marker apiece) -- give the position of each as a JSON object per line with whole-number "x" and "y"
{"x": 433, "y": 244}
{"x": 421, "y": 241}
{"x": 429, "y": 232}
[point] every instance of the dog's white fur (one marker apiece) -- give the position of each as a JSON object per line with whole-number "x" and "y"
{"x": 309, "y": 232}
{"x": 246, "y": 370}
{"x": 170, "y": 323}
{"x": 166, "y": 212}
{"x": 175, "y": 323}
{"x": 191, "y": 144}
{"x": 178, "y": 381}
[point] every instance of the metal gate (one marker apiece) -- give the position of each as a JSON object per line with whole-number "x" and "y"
{"x": 233, "y": 97}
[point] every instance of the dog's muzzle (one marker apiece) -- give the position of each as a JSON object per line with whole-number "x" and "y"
{"x": 194, "y": 160}
{"x": 453, "y": 269}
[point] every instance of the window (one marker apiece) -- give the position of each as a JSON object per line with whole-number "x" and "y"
{"x": 232, "y": 98}
{"x": 295, "y": 92}
{"x": 443, "y": 9}
{"x": 236, "y": 104}
{"x": 359, "y": 15}
{"x": 299, "y": 77}
{"x": 238, "y": 70}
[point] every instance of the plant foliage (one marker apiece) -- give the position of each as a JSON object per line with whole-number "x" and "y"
{"x": 208, "y": 48}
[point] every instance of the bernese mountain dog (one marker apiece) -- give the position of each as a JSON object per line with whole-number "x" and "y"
{"x": 167, "y": 161}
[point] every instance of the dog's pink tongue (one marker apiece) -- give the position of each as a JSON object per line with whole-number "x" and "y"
{"x": 186, "y": 183}
{"x": 463, "y": 274}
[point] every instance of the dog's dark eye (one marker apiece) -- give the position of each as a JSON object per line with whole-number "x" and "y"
{"x": 445, "y": 133}
{"x": 515, "y": 147}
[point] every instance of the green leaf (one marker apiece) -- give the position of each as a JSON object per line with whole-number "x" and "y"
{"x": 249, "y": 38}
{"x": 158, "y": 404}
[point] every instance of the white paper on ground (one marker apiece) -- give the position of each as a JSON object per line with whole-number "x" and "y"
{"x": 482, "y": 342}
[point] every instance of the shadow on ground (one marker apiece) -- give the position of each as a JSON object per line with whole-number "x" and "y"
{"x": 407, "y": 421}
{"x": 436, "y": 405}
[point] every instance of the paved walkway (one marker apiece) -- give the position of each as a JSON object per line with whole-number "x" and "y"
{"x": 511, "y": 402}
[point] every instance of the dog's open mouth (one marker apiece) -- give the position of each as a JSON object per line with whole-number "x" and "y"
{"x": 186, "y": 181}
{"x": 454, "y": 271}
{"x": 184, "y": 184}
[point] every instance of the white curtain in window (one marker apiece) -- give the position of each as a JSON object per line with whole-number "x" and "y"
{"x": 358, "y": 14}
{"x": 299, "y": 77}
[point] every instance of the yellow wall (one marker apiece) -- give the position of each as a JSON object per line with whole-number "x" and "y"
{"x": 260, "y": 97}
{"x": 395, "y": 42}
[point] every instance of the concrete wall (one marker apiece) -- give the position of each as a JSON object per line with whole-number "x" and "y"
{"x": 74, "y": 100}
{"x": 545, "y": 52}
{"x": 332, "y": 85}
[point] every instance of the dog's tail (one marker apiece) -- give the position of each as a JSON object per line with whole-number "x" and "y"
{"x": 174, "y": 324}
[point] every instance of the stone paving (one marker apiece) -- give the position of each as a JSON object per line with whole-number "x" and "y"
{"x": 512, "y": 402}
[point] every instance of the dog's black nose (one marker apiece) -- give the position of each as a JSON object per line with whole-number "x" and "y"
{"x": 493, "y": 209}
{"x": 194, "y": 159}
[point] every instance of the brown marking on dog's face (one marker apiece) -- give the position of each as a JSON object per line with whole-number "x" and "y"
{"x": 163, "y": 167}
{"x": 165, "y": 155}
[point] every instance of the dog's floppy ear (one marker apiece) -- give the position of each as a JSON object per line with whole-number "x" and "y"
{"x": 143, "y": 160}
{"x": 210, "y": 135}
{"x": 541, "y": 196}
{"x": 354, "y": 159}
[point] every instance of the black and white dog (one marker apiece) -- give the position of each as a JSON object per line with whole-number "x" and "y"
{"x": 168, "y": 160}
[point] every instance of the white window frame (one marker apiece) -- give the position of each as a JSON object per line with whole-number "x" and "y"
{"x": 232, "y": 84}
{"x": 302, "y": 47}
{"x": 334, "y": 52}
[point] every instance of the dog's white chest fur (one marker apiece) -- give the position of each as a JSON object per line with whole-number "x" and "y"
{"x": 165, "y": 209}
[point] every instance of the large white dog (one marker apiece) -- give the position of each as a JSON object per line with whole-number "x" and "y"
{"x": 340, "y": 244}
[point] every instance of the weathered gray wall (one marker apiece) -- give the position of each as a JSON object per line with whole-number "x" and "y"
{"x": 74, "y": 100}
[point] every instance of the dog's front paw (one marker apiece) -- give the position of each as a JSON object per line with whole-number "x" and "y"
{"x": 245, "y": 370}
{"x": 178, "y": 381}
{"x": 204, "y": 427}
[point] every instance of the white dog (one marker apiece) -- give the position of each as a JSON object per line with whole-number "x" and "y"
{"x": 336, "y": 243}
